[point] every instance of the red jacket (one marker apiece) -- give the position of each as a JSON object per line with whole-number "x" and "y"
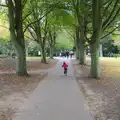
{"x": 64, "y": 65}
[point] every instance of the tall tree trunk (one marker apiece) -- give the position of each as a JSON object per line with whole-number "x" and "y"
{"x": 95, "y": 67}
{"x": 95, "y": 41}
{"x": 82, "y": 57}
{"x": 43, "y": 54}
{"x": 21, "y": 61}
{"x": 82, "y": 54}
{"x": 16, "y": 35}
{"x": 21, "y": 56}
{"x": 77, "y": 43}
{"x": 77, "y": 52}
{"x": 51, "y": 52}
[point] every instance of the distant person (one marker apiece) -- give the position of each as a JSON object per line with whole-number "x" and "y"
{"x": 65, "y": 66}
{"x": 63, "y": 54}
{"x": 13, "y": 55}
{"x": 71, "y": 53}
{"x": 67, "y": 54}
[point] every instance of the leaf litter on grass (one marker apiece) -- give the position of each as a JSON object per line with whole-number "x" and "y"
{"x": 15, "y": 89}
{"x": 104, "y": 98}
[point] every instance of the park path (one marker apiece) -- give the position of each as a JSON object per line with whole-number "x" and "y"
{"x": 57, "y": 97}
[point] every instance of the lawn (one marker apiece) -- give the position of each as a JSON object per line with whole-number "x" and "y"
{"x": 110, "y": 67}
{"x": 33, "y": 58}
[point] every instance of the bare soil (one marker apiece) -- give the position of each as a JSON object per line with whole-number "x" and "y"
{"x": 103, "y": 96}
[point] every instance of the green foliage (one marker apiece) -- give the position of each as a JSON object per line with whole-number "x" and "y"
{"x": 109, "y": 47}
{"x": 33, "y": 49}
{"x": 6, "y": 47}
{"x": 63, "y": 41}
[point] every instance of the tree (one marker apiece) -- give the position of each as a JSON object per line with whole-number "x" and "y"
{"x": 15, "y": 13}
{"x": 100, "y": 22}
{"x": 38, "y": 29}
{"x": 80, "y": 10}
{"x": 37, "y": 23}
{"x": 52, "y": 40}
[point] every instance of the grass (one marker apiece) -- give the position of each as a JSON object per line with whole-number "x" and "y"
{"x": 110, "y": 66}
{"x": 33, "y": 58}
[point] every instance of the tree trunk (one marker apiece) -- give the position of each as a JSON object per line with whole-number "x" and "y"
{"x": 21, "y": 61}
{"x": 16, "y": 35}
{"x": 77, "y": 52}
{"x": 95, "y": 41}
{"x": 95, "y": 67}
{"x": 21, "y": 69}
{"x": 43, "y": 54}
{"x": 51, "y": 52}
{"x": 77, "y": 48}
{"x": 77, "y": 42}
{"x": 82, "y": 54}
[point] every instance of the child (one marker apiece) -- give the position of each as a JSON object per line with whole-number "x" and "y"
{"x": 65, "y": 66}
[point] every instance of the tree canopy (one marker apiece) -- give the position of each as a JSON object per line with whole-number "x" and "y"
{"x": 86, "y": 22}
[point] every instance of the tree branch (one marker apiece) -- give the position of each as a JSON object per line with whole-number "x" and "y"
{"x": 51, "y": 8}
{"x": 107, "y": 7}
{"x": 24, "y": 3}
{"x": 27, "y": 15}
{"x": 36, "y": 20}
{"x": 4, "y": 26}
{"x": 105, "y": 3}
{"x": 114, "y": 17}
{"x": 3, "y": 5}
{"x": 108, "y": 19}
{"x": 32, "y": 34}
{"x": 28, "y": 37}
{"x": 110, "y": 32}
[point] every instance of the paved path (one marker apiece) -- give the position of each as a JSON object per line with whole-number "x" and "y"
{"x": 57, "y": 97}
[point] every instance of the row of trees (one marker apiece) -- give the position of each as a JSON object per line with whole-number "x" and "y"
{"x": 31, "y": 19}
{"x": 88, "y": 21}
{"x": 95, "y": 19}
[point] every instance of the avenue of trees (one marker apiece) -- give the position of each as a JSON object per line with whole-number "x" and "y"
{"x": 87, "y": 21}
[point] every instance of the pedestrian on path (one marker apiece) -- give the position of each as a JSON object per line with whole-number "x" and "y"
{"x": 71, "y": 53}
{"x": 67, "y": 54}
{"x": 65, "y": 66}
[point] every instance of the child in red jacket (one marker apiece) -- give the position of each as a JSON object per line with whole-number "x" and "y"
{"x": 65, "y": 66}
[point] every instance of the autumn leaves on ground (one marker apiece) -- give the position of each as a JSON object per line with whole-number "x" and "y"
{"x": 103, "y": 96}
{"x": 13, "y": 89}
